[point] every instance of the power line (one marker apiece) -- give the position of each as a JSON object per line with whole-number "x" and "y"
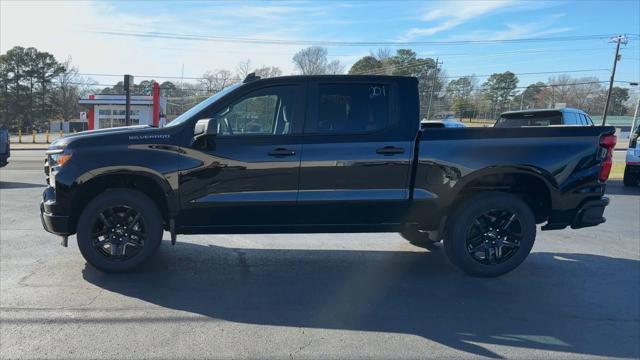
{"x": 264, "y": 41}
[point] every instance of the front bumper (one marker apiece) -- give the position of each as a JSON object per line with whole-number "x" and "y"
{"x": 53, "y": 223}
{"x": 590, "y": 213}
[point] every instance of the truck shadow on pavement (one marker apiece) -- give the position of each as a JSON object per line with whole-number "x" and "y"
{"x": 572, "y": 303}
{"x": 18, "y": 185}
{"x": 615, "y": 187}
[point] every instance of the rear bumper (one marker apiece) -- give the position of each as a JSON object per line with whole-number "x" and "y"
{"x": 590, "y": 213}
{"x": 633, "y": 168}
{"x": 53, "y": 223}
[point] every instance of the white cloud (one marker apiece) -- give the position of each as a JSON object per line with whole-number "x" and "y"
{"x": 451, "y": 14}
{"x": 65, "y": 30}
{"x": 511, "y": 31}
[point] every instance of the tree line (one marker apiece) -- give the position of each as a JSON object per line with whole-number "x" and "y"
{"x": 466, "y": 97}
{"x": 35, "y": 88}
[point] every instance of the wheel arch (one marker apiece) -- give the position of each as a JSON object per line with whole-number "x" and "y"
{"x": 147, "y": 181}
{"x": 535, "y": 186}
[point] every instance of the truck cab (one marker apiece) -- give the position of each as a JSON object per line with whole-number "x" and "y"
{"x": 544, "y": 117}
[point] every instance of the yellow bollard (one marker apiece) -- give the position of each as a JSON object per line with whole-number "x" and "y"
{"x": 34, "y": 136}
{"x": 61, "y": 134}
{"x": 47, "y": 136}
{"x": 20, "y": 136}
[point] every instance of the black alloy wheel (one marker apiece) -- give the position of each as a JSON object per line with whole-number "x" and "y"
{"x": 494, "y": 237}
{"x": 490, "y": 233}
{"x": 118, "y": 233}
{"x": 119, "y": 230}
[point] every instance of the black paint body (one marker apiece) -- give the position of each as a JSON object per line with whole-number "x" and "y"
{"x": 326, "y": 183}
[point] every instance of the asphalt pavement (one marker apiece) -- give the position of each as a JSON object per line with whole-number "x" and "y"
{"x": 315, "y": 295}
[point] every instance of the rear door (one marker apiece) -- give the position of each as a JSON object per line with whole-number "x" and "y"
{"x": 355, "y": 155}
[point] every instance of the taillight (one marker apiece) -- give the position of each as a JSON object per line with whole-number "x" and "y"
{"x": 608, "y": 144}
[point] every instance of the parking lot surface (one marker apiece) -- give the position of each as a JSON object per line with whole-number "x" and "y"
{"x": 315, "y": 295}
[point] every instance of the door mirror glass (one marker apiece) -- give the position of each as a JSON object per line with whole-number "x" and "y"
{"x": 204, "y": 129}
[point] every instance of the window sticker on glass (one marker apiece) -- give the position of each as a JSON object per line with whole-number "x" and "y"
{"x": 375, "y": 91}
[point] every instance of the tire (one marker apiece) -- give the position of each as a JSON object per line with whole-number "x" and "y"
{"x": 141, "y": 231}
{"x": 471, "y": 227}
{"x": 630, "y": 179}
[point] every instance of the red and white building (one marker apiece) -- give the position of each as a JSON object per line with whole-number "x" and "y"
{"x": 106, "y": 111}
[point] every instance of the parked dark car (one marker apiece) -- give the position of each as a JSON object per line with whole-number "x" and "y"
{"x": 544, "y": 117}
{"x": 5, "y": 147}
{"x": 424, "y": 124}
{"x": 324, "y": 154}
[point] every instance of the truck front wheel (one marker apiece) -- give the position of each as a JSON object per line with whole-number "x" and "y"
{"x": 118, "y": 230}
{"x": 490, "y": 234}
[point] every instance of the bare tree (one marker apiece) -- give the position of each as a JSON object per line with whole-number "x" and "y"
{"x": 65, "y": 95}
{"x": 243, "y": 68}
{"x": 311, "y": 61}
{"x": 214, "y": 81}
{"x": 268, "y": 71}
{"x": 334, "y": 67}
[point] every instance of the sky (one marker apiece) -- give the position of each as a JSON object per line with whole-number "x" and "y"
{"x": 175, "y": 39}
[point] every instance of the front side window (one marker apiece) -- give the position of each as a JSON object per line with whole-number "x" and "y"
{"x": 263, "y": 112}
{"x": 350, "y": 108}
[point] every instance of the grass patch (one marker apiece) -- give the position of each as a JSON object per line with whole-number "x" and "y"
{"x": 617, "y": 171}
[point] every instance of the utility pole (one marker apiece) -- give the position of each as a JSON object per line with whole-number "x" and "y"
{"x": 128, "y": 85}
{"x": 521, "y": 100}
{"x": 433, "y": 85}
{"x": 618, "y": 40}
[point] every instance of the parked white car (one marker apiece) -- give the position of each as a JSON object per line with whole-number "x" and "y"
{"x": 632, "y": 168}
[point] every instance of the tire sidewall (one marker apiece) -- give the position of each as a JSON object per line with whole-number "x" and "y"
{"x": 134, "y": 199}
{"x": 455, "y": 239}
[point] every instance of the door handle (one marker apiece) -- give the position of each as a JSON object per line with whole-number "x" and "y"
{"x": 389, "y": 150}
{"x": 281, "y": 152}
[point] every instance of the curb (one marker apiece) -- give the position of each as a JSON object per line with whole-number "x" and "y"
{"x": 29, "y": 148}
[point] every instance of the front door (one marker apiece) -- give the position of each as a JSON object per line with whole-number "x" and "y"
{"x": 249, "y": 175}
{"x": 355, "y": 155}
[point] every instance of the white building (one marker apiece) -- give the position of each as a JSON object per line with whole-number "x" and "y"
{"x": 106, "y": 111}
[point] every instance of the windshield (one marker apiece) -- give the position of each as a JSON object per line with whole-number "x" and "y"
{"x": 542, "y": 118}
{"x": 196, "y": 109}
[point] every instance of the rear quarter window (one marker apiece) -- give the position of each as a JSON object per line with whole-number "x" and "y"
{"x": 538, "y": 118}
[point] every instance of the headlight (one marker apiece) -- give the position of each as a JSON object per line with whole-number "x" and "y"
{"x": 58, "y": 157}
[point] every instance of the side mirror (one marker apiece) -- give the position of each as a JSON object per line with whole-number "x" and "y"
{"x": 204, "y": 129}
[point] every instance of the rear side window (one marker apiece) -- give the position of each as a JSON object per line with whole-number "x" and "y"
{"x": 572, "y": 119}
{"x": 541, "y": 118}
{"x": 351, "y": 108}
{"x": 587, "y": 120}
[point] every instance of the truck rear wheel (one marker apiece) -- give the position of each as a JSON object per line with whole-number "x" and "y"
{"x": 119, "y": 230}
{"x": 490, "y": 234}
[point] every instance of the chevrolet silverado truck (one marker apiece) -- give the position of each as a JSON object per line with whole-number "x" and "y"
{"x": 324, "y": 154}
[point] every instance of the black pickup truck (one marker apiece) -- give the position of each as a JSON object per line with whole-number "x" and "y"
{"x": 324, "y": 154}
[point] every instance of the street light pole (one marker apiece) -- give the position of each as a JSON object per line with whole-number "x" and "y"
{"x": 618, "y": 39}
